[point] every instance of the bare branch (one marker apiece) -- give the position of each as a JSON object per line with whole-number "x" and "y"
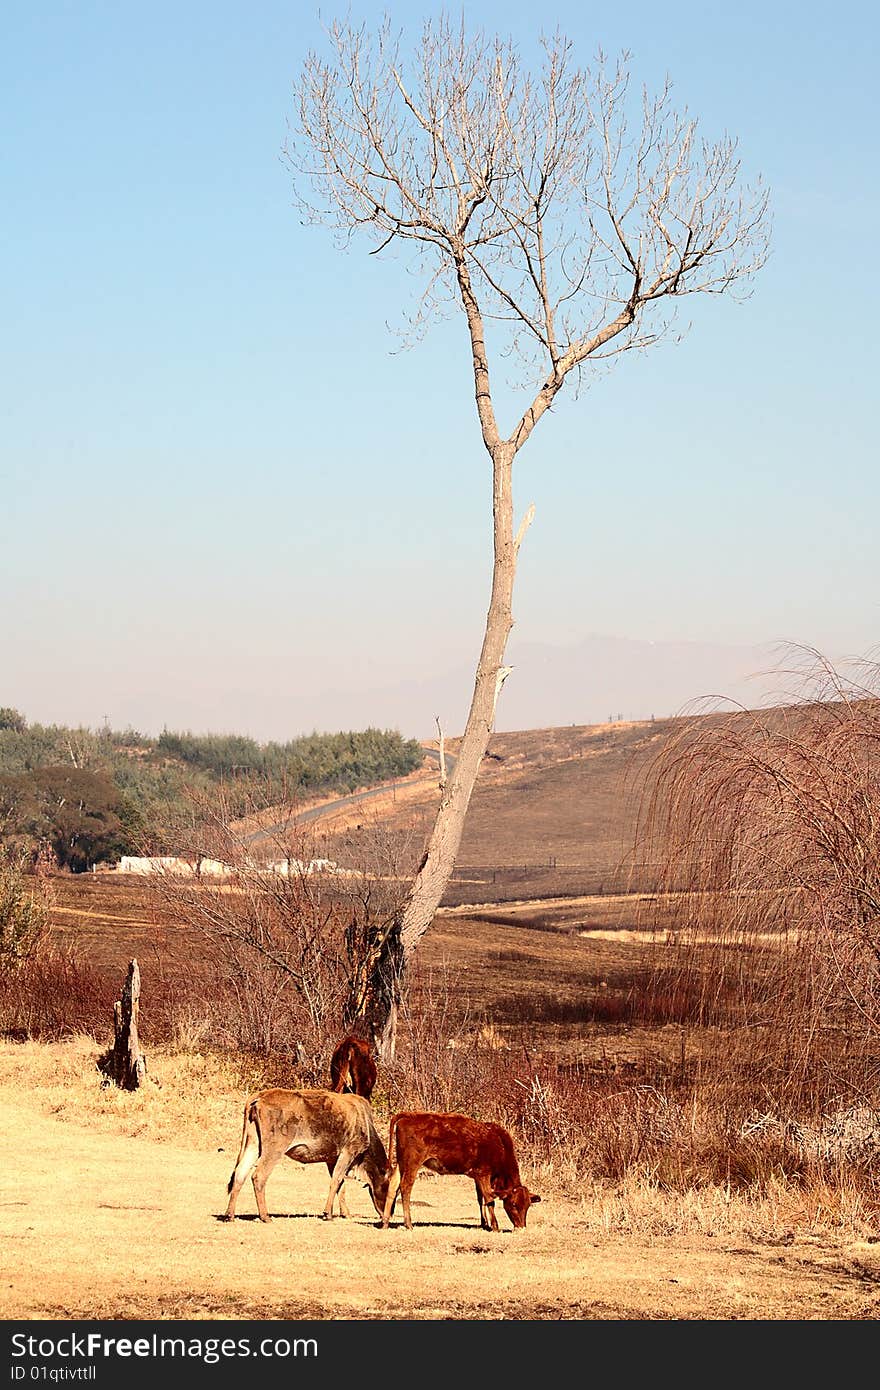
{"x": 572, "y": 208}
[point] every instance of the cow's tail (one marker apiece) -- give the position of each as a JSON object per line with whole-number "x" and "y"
{"x": 392, "y": 1145}
{"x": 251, "y": 1125}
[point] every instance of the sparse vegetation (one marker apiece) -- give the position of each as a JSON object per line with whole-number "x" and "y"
{"x": 24, "y": 913}
{"x": 46, "y": 990}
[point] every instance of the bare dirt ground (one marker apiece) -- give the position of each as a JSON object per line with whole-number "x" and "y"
{"x": 95, "y": 1223}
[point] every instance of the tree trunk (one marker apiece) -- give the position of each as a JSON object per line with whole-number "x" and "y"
{"x": 125, "y": 1064}
{"x": 375, "y": 986}
{"x": 395, "y": 942}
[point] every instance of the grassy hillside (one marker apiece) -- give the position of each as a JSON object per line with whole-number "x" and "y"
{"x": 554, "y": 812}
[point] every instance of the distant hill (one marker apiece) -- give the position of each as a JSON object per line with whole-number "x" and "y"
{"x": 561, "y": 810}
{"x": 554, "y": 812}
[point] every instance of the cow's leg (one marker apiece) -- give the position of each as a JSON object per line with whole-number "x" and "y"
{"x": 393, "y": 1185}
{"x": 406, "y": 1187}
{"x": 340, "y": 1196}
{"x": 261, "y": 1175}
{"x": 484, "y": 1220}
{"x": 247, "y": 1161}
{"x": 487, "y": 1205}
{"x": 337, "y": 1178}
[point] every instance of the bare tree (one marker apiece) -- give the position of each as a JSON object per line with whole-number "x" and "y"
{"x": 565, "y": 217}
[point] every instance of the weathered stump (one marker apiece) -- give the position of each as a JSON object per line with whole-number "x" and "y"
{"x": 124, "y": 1063}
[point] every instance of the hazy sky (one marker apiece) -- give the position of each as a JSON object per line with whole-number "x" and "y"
{"x": 224, "y": 489}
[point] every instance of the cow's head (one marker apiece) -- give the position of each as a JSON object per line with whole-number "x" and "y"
{"x": 516, "y": 1203}
{"x": 378, "y": 1188}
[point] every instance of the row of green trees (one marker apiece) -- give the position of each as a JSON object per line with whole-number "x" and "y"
{"x": 340, "y": 761}
{"x": 92, "y": 795}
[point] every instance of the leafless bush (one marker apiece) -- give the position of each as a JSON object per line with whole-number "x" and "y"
{"x": 768, "y": 825}
{"x": 54, "y": 994}
{"x": 434, "y": 1067}
{"x": 284, "y": 929}
{"x": 642, "y": 997}
{"x": 47, "y": 991}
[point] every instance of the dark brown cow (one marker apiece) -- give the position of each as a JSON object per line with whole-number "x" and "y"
{"x": 352, "y": 1067}
{"x": 312, "y": 1126}
{"x": 449, "y": 1143}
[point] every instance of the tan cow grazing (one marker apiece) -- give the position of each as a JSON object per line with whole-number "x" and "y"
{"x": 449, "y": 1143}
{"x": 352, "y": 1067}
{"x": 312, "y": 1126}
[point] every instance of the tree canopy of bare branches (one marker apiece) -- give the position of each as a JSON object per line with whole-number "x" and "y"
{"x": 564, "y": 214}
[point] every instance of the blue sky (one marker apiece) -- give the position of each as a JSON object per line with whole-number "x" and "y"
{"x": 225, "y": 491}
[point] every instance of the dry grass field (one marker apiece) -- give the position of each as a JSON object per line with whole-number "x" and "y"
{"x": 116, "y": 1215}
{"x": 541, "y": 976}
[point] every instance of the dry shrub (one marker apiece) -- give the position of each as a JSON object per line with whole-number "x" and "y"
{"x": 275, "y": 958}
{"x": 25, "y": 902}
{"x": 53, "y": 994}
{"x": 639, "y": 1206}
{"x": 675, "y": 1138}
{"x": 449, "y": 1058}
{"x": 766, "y": 826}
{"x": 286, "y": 931}
{"x": 226, "y": 1012}
{"x": 434, "y": 1064}
{"x": 47, "y": 990}
{"x": 642, "y": 997}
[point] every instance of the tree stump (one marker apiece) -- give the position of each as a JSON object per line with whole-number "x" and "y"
{"x": 124, "y": 1063}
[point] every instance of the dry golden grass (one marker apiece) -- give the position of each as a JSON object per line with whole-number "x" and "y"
{"x": 141, "y": 1177}
{"x": 188, "y": 1098}
{"x": 184, "y": 1096}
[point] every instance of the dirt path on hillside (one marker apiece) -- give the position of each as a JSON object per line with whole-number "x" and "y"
{"x": 96, "y": 1225}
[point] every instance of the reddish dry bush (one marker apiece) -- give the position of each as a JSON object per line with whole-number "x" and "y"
{"x": 286, "y": 930}
{"x": 54, "y": 994}
{"x": 766, "y": 826}
{"x": 637, "y": 998}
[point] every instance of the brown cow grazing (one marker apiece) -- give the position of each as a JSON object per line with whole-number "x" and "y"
{"x": 312, "y": 1126}
{"x": 352, "y": 1067}
{"x": 456, "y": 1144}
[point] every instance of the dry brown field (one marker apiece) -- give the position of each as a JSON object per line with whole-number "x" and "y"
{"x": 555, "y": 812}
